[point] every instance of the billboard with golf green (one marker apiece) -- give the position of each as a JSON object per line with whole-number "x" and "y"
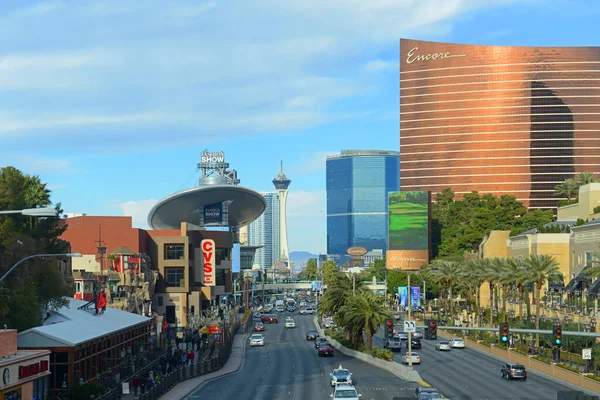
{"x": 409, "y": 229}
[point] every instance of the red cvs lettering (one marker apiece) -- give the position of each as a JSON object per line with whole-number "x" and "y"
{"x": 207, "y": 248}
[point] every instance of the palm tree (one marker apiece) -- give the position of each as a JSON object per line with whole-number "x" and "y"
{"x": 569, "y": 188}
{"x": 505, "y": 280}
{"x": 542, "y": 268}
{"x": 586, "y": 177}
{"x": 365, "y": 311}
{"x": 492, "y": 276}
{"x": 518, "y": 269}
{"x": 474, "y": 272}
{"x": 446, "y": 272}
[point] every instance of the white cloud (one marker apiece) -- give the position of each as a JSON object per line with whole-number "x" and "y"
{"x": 138, "y": 210}
{"x": 307, "y": 221}
{"x": 198, "y": 68}
{"x": 313, "y": 163}
{"x": 381, "y": 65}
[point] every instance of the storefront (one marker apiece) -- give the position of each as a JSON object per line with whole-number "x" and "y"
{"x": 24, "y": 374}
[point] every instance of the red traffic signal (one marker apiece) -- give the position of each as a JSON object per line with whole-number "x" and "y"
{"x": 389, "y": 322}
{"x": 389, "y": 328}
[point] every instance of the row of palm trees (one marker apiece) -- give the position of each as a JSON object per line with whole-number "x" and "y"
{"x": 501, "y": 274}
{"x": 570, "y": 187}
{"x": 355, "y": 307}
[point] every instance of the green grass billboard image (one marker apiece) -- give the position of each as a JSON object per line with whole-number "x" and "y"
{"x": 408, "y": 220}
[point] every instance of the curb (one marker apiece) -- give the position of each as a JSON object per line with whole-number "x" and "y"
{"x": 402, "y": 373}
{"x": 219, "y": 376}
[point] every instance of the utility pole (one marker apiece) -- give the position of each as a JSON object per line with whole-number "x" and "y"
{"x": 263, "y": 292}
{"x": 409, "y": 309}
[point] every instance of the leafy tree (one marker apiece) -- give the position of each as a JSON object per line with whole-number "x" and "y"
{"x": 460, "y": 225}
{"x": 376, "y": 269}
{"x": 329, "y": 269}
{"x": 310, "y": 271}
{"x": 37, "y": 284}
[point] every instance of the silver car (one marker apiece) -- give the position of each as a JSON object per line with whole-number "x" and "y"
{"x": 442, "y": 346}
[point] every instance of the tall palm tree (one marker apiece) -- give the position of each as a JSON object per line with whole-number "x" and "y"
{"x": 505, "y": 281}
{"x": 492, "y": 276}
{"x": 542, "y": 268}
{"x": 586, "y": 177}
{"x": 518, "y": 269}
{"x": 365, "y": 311}
{"x": 446, "y": 272}
{"x": 569, "y": 188}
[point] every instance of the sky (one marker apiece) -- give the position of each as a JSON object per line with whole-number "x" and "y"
{"x": 111, "y": 102}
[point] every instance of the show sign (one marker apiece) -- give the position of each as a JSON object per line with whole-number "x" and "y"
{"x": 212, "y": 157}
{"x": 213, "y": 213}
{"x": 209, "y": 260}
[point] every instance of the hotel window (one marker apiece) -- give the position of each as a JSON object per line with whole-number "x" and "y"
{"x": 174, "y": 252}
{"x": 175, "y": 277}
{"x": 77, "y": 287}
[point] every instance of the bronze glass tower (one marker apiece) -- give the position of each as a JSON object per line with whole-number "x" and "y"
{"x": 514, "y": 120}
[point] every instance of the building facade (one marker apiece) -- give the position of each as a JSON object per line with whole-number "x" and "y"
{"x": 265, "y": 232}
{"x": 358, "y": 183}
{"x": 514, "y": 120}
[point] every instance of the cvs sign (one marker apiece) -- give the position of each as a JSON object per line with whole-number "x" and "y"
{"x": 208, "y": 260}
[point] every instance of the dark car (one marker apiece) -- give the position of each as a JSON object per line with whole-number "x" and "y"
{"x": 259, "y": 327}
{"x": 325, "y": 349}
{"x": 415, "y": 343}
{"x": 270, "y": 318}
{"x": 312, "y": 335}
{"x": 320, "y": 341}
{"x": 513, "y": 371}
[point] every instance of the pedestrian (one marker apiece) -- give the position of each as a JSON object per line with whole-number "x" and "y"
{"x": 136, "y": 384}
{"x": 192, "y": 356}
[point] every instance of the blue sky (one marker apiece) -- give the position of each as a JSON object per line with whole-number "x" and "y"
{"x": 111, "y": 102}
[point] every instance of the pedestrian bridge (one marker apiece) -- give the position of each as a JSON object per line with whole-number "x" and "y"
{"x": 284, "y": 284}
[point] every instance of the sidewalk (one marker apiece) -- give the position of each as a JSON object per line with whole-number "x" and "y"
{"x": 199, "y": 354}
{"x": 233, "y": 364}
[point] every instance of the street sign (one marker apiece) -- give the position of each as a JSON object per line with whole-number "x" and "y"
{"x": 410, "y": 326}
{"x": 586, "y": 354}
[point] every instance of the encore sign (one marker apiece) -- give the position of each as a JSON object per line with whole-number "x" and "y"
{"x": 208, "y": 262}
{"x": 412, "y": 57}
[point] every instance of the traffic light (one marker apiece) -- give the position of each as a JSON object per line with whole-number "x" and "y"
{"x": 557, "y": 333}
{"x": 432, "y": 330}
{"x": 504, "y": 332}
{"x": 389, "y": 328}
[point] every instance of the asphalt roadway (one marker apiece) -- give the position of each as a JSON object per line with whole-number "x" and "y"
{"x": 288, "y": 367}
{"x": 465, "y": 374}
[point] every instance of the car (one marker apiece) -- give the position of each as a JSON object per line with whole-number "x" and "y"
{"x": 270, "y": 318}
{"x": 308, "y": 310}
{"x": 396, "y": 315}
{"x": 279, "y": 309}
{"x": 347, "y": 392}
{"x": 401, "y": 335}
{"x": 457, "y": 343}
{"x": 418, "y": 334}
{"x": 325, "y": 349}
{"x": 312, "y": 335}
{"x": 442, "y": 345}
{"x": 339, "y": 376}
{"x": 393, "y": 343}
{"x": 426, "y": 393}
{"x": 302, "y": 303}
{"x": 412, "y": 356}
{"x": 259, "y": 327}
{"x": 319, "y": 341}
{"x": 258, "y": 314}
{"x": 257, "y": 340}
{"x": 290, "y": 323}
{"x": 513, "y": 371}
{"x": 415, "y": 343}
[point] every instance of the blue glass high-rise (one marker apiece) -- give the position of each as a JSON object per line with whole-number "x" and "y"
{"x": 358, "y": 183}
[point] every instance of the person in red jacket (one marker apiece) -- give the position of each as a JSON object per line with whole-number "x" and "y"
{"x": 136, "y": 384}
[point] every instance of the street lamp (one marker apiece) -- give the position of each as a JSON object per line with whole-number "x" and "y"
{"x": 34, "y": 212}
{"x": 511, "y": 314}
{"x": 39, "y": 255}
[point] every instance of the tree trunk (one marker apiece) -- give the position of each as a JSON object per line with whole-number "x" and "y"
{"x": 504, "y": 294}
{"x": 538, "y": 287}
{"x": 492, "y": 286}
{"x": 369, "y": 339}
{"x": 521, "y": 300}
{"x": 451, "y": 303}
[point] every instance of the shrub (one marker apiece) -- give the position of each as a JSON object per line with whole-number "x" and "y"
{"x": 520, "y": 351}
{"x": 545, "y": 361}
{"x": 592, "y": 376}
{"x": 568, "y": 367}
{"x": 384, "y": 354}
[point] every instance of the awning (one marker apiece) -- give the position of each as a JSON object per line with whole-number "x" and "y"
{"x": 595, "y": 288}
{"x": 579, "y": 282}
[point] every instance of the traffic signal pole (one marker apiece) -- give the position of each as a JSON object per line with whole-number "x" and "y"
{"x": 409, "y": 309}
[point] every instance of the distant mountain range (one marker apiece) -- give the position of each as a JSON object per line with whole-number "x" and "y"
{"x": 300, "y": 257}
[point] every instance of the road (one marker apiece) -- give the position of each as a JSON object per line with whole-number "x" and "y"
{"x": 465, "y": 374}
{"x": 288, "y": 367}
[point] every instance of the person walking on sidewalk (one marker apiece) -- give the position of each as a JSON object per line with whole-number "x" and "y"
{"x": 136, "y": 384}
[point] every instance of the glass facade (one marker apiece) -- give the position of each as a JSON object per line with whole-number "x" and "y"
{"x": 358, "y": 183}
{"x": 265, "y": 232}
{"x": 498, "y": 119}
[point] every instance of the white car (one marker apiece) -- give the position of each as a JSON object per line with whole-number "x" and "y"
{"x": 457, "y": 343}
{"x": 302, "y": 304}
{"x": 345, "y": 391}
{"x": 307, "y": 310}
{"x": 418, "y": 334}
{"x": 257, "y": 340}
{"x": 413, "y": 356}
{"x": 442, "y": 346}
{"x": 340, "y": 376}
{"x": 289, "y": 322}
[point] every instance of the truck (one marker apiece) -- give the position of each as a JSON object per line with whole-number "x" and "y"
{"x": 394, "y": 343}
{"x": 291, "y": 304}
